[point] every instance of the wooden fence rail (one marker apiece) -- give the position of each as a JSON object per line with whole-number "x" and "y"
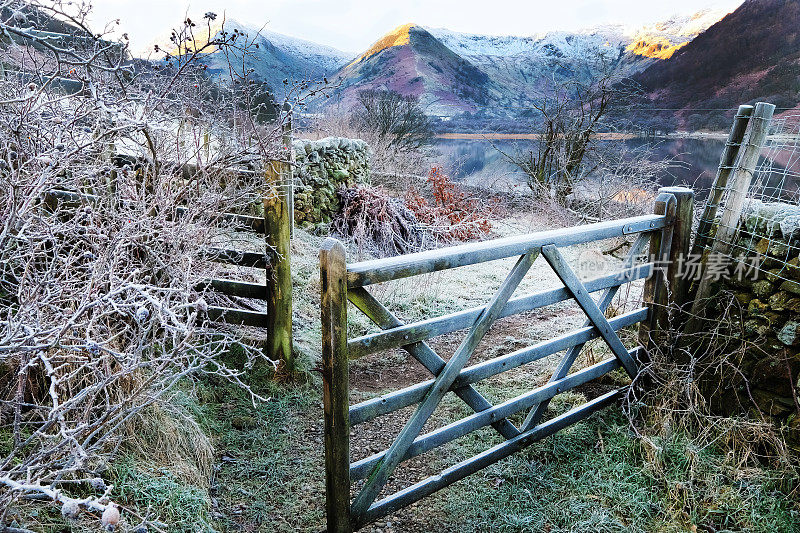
{"x": 342, "y": 283}
{"x": 275, "y": 261}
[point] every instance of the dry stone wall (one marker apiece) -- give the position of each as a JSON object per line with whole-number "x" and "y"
{"x": 322, "y": 167}
{"x": 770, "y": 320}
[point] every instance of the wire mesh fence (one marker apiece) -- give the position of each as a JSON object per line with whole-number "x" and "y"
{"x": 762, "y": 240}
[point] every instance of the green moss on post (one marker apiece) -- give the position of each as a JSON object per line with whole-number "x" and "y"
{"x": 278, "y": 225}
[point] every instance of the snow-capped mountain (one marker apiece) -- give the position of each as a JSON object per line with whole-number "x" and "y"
{"x": 276, "y": 57}
{"x": 453, "y": 72}
{"x": 752, "y": 54}
{"x": 638, "y": 46}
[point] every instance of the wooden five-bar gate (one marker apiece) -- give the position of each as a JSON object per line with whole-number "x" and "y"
{"x": 666, "y": 233}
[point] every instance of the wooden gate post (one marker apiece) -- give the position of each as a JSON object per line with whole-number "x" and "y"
{"x": 677, "y": 282}
{"x": 726, "y": 162}
{"x": 279, "y": 277}
{"x": 333, "y": 279}
{"x": 287, "y": 177}
{"x": 654, "y": 294}
{"x": 667, "y": 290}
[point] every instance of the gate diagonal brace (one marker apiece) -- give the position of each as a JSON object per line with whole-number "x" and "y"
{"x": 394, "y": 455}
{"x": 427, "y": 357}
{"x": 585, "y": 301}
{"x": 565, "y": 365}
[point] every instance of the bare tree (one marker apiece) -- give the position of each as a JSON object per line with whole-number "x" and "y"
{"x": 572, "y": 108}
{"x": 396, "y": 118}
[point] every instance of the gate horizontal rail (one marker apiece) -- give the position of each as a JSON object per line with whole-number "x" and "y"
{"x": 426, "y": 329}
{"x": 370, "y": 409}
{"x": 360, "y": 469}
{"x": 494, "y": 454}
{"x": 342, "y": 283}
{"x": 379, "y": 270}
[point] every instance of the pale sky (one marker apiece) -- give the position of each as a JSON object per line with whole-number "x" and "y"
{"x": 352, "y": 25}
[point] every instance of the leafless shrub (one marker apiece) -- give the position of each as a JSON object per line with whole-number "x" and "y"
{"x": 625, "y": 182}
{"x": 101, "y": 310}
{"x": 375, "y": 220}
{"x": 398, "y": 119}
{"x": 694, "y": 385}
{"x": 577, "y": 159}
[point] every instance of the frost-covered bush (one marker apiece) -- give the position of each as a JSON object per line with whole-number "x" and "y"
{"x": 101, "y": 309}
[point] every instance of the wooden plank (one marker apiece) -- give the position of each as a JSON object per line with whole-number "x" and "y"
{"x": 442, "y": 384}
{"x": 726, "y": 162}
{"x": 241, "y": 289}
{"x": 401, "y": 335}
{"x": 387, "y": 403}
{"x": 564, "y": 366}
{"x": 335, "y": 398}
{"x": 380, "y": 270}
{"x": 240, "y": 317}
{"x": 237, "y": 257}
{"x": 255, "y": 224}
{"x": 494, "y": 454}
{"x": 239, "y": 222}
{"x": 425, "y": 355}
{"x": 450, "y": 432}
{"x": 581, "y": 295}
{"x": 279, "y": 283}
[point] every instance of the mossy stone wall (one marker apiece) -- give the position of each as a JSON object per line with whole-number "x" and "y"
{"x": 322, "y": 167}
{"x": 770, "y": 319}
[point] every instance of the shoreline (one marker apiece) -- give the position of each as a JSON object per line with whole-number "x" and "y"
{"x": 605, "y": 136}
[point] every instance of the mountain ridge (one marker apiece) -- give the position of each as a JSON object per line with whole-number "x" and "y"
{"x": 457, "y": 73}
{"x": 707, "y": 74}
{"x": 506, "y": 71}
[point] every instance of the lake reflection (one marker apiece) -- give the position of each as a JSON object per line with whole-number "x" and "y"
{"x": 480, "y": 162}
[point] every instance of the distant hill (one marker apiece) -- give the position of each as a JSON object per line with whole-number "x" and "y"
{"x": 411, "y": 61}
{"x": 751, "y": 54}
{"x": 30, "y": 16}
{"x": 277, "y": 58}
{"x": 453, "y": 73}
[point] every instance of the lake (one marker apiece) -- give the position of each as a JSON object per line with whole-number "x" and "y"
{"x": 480, "y": 162}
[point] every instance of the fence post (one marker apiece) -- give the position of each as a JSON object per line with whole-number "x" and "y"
{"x": 333, "y": 279}
{"x": 677, "y": 282}
{"x": 654, "y": 294}
{"x": 726, "y": 162}
{"x": 279, "y": 276}
{"x": 288, "y": 167}
{"x": 737, "y": 192}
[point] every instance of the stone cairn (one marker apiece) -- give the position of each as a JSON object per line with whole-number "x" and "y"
{"x": 322, "y": 168}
